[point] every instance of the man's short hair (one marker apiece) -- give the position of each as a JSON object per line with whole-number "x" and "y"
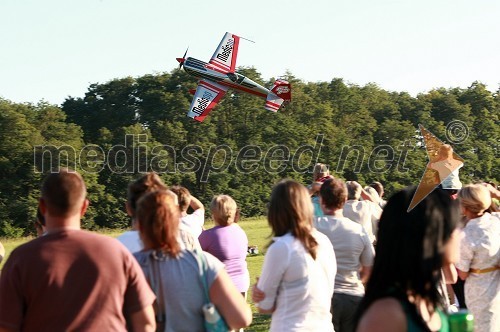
{"x": 63, "y": 193}
{"x": 353, "y": 190}
{"x": 378, "y": 187}
{"x": 183, "y": 196}
{"x": 333, "y": 193}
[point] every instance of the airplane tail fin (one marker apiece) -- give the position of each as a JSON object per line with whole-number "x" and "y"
{"x": 280, "y": 92}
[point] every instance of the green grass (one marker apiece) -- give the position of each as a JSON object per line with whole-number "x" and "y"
{"x": 11, "y": 244}
{"x": 258, "y": 233}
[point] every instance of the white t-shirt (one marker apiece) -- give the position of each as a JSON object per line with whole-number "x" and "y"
{"x": 365, "y": 213}
{"x": 299, "y": 287}
{"x": 194, "y": 222}
{"x": 382, "y": 203}
{"x": 353, "y": 249}
{"x": 131, "y": 240}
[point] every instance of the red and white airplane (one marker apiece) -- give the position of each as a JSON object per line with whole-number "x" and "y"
{"x": 219, "y": 74}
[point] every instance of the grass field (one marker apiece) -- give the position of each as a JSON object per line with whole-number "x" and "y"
{"x": 258, "y": 233}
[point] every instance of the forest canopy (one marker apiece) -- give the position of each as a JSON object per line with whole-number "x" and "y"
{"x": 128, "y": 126}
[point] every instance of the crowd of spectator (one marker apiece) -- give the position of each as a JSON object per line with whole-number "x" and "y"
{"x": 341, "y": 258}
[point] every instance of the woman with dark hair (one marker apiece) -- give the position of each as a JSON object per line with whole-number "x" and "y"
{"x": 296, "y": 284}
{"x": 402, "y": 292}
{"x": 146, "y": 183}
{"x": 479, "y": 263}
{"x": 174, "y": 273}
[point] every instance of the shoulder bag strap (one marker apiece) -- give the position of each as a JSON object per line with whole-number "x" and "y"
{"x": 157, "y": 286}
{"x": 200, "y": 258}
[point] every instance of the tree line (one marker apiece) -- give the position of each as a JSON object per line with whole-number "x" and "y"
{"x": 132, "y": 125}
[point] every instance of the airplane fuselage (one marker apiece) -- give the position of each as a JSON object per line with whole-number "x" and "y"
{"x": 236, "y": 81}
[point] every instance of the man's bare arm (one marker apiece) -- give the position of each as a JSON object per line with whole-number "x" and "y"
{"x": 143, "y": 320}
{"x": 195, "y": 204}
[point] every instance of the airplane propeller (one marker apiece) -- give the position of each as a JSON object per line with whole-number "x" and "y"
{"x": 181, "y": 60}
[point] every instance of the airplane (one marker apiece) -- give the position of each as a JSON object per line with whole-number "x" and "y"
{"x": 218, "y": 75}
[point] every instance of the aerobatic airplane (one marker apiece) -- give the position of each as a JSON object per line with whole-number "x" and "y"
{"x": 218, "y": 75}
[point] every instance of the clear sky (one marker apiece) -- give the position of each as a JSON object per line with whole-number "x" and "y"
{"x": 51, "y": 49}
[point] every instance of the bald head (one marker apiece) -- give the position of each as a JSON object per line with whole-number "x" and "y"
{"x": 63, "y": 193}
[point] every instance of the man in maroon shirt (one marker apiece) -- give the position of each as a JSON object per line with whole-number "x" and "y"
{"x": 70, "y": 279}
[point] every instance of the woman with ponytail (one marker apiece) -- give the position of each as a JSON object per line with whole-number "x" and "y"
{"x": 296, "y": 284}
{"x": 174, "y": 272}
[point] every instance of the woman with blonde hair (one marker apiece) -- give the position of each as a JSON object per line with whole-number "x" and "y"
{"x": 479, "y": 263}
{"x": 227, "y": 241}
{"x": 296, "y": 284}
{"x": 174, "y": 273}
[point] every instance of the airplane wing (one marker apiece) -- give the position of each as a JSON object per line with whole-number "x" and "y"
{"x": 225, "y": 55}
{"x": 206, "y": 97}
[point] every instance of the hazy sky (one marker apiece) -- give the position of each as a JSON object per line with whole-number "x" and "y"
{"x": 52, "y": 49}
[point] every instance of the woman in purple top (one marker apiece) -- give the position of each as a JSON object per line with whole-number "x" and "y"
{"x": 227, "y": 241}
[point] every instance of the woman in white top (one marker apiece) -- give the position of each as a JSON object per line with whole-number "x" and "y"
{"x": 296, "y": 284}
{"x": 479, "y": 263}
